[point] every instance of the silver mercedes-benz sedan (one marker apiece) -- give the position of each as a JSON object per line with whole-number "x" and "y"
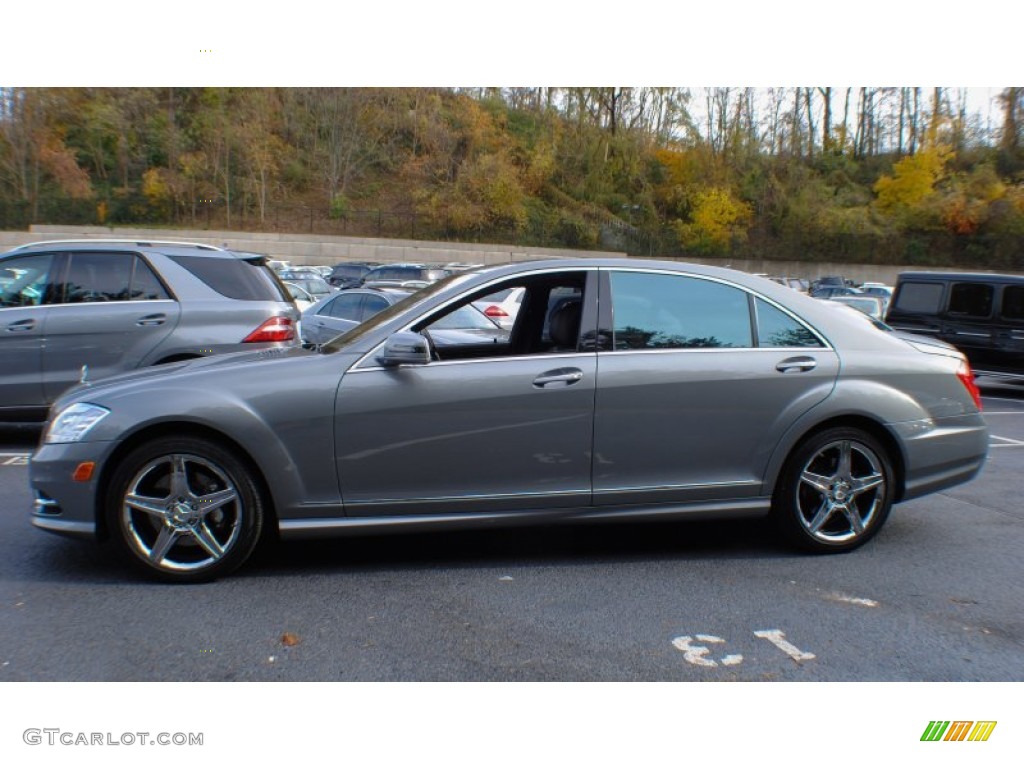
{"x": 625, "y": 390}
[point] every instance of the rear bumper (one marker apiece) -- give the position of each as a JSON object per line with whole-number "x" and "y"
{"x": 942, "y": 453}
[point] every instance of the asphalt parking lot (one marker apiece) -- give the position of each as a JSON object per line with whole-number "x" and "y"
{"x": 935, "y": 597}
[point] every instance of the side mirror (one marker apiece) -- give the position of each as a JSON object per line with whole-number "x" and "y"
{"x": 404, "y": 348}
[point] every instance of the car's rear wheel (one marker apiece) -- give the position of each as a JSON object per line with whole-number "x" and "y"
{"x": 835, "y": 491}
{"x": 184, "y": 509}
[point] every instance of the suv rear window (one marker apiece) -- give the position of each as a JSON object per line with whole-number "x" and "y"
{"x": 244, "y": 279}
{"x": 349, "y": 271}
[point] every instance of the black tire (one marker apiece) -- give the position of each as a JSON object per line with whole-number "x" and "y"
{"x": 821, "y": 504}
{"x": 184, "y": 509}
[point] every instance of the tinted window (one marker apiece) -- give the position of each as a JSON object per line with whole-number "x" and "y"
{"x": 23, "y": 280}
{"x": 98, "y": 277}
{"x": 924, "y": 298}
{"x": 394, "y": 273}
{"x": 971, "y": 299}
{"x": 777, "y": 329}
{"x": 345, "y": 307}
{"x": 1013, "y": 302}
{"x": 374, "y": 304}
{"x": 145, "y": 284}
{"x": 245, "y": 279}
{"x": 674, "y": 312}
{"x": 351, "y": 272}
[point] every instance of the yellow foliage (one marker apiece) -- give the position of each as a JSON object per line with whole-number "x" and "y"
{"x": 155, "y": 186}
{"x": 913, "y": 180}
{"x": 717, "y": 219}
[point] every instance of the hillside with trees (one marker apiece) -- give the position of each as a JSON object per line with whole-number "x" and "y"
{"x": 870, "y": 175}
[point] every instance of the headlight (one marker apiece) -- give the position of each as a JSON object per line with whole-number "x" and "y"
{"x": 71, "y": 424}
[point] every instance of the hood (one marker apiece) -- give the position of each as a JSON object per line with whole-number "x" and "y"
{"x": 231, "y": 359}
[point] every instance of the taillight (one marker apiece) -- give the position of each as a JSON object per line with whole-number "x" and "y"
{"x": 966, "y": 376}
{"x": 274, "y": 329}
{"x": 495, "y": 311}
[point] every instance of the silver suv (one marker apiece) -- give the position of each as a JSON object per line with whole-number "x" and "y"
{"x": 86, "y": 309}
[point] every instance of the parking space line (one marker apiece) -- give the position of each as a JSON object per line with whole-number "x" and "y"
{"x": 1008, "y": 442}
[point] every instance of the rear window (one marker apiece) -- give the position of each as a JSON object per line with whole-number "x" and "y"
{"x": 349, "y": 271}
{"x": 923, "y": 298}
{"x": 244, "y": 279}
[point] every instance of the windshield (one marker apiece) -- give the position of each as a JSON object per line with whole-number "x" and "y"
{"x": 381, "y": 318}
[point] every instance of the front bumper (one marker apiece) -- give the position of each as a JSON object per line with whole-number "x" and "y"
{"x": 63, "y": 505}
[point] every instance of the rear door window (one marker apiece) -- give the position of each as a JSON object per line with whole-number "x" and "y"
{"x": 777, "y": 329}
{"x": 345, "y": 307}
{"x": 100, "y": 277}
{"x": 657, "y": 311}
{"x": 92, "y": 277}
{"x": 971, "y": 299}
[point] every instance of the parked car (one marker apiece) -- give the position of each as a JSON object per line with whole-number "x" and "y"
{"x": 626, "y": 390}
{"x": 981, "y": 314}
{"x": 502, "y": 307}
{"x": 302, "y": 298}
{"x": 403, "y": 275}
{"x": 299, "y": 273}
{"x": 316, "y": 287}
{"x": 72, "y": 310}
{"x": 829, "y": 291}
{"x": 335, "y": 315}
{"x": 348, "y": 275}
{"x": 796, "y": 283}
{"x": 869, "y": 305}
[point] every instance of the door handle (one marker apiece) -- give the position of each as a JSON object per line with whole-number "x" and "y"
{"x": 560, "y": 376}
{"x": 21, "y": 325}
{"x": 152, "y": 320}
{"x": 796, "y": 365}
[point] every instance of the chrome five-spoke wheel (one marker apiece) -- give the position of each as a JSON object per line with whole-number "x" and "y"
{"x": 186, "y": 510}
{"x": 836, "y": 490}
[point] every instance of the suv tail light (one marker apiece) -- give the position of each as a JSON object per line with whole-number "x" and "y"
{"x": 274, "y": 329}
{"x": 966, "y": 376}
{"x": 495, "y": 311}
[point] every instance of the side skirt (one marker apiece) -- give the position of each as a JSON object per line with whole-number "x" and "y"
{"x": 356, "y": 526}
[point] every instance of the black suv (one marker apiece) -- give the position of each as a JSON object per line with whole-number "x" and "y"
{"x": 980, "y": 314}
{"x": 348, "y": 275}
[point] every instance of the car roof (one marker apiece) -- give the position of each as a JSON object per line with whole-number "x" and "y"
{"x": 171, "y": 247}
{"x": 979, "y": 276}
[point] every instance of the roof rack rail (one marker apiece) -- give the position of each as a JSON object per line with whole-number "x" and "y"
{"x": 134, "y": 241}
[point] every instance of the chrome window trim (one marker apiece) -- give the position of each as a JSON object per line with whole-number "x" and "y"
{"x": 109, "y": 303}
{"x": 825, "y": 345}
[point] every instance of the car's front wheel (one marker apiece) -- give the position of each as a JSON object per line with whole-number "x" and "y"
{"x": 184, "y": 509}
{"x": 835, "y": 491}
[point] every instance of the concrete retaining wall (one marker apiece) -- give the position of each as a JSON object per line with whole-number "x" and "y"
{"x": 302, "y": 249}
{"x": 308, "y": 249}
